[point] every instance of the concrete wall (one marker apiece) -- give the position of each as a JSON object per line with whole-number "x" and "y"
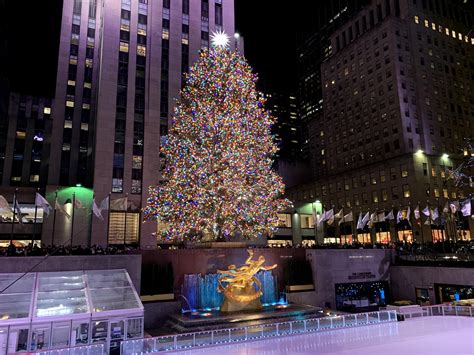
{"x": 404, "y": 280}
{"x": 131, "y": 263}
{"x": 342, "y": 266}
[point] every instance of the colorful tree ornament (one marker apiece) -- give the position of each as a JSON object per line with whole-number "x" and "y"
{"x": 218, "y": 177}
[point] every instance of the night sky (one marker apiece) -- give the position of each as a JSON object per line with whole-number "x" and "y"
{"x": 270, "y": 29}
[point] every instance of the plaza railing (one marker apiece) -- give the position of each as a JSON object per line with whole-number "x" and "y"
{"x": 448, "y": 310}
{"x": 92, "y": 349}
{"x": 250, "y": 333}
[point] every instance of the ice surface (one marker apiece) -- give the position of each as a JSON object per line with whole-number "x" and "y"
{"x": 429, "y": 335}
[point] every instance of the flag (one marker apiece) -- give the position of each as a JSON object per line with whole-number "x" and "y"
{"x": 416, "y": 212}
{"x": 381, "y": 217}
{"x": 40, "y": 201}
{"x": 466, "y": 208}
{"x": 322, "y": 217}
{"x": 104, "y": 205}
{"x": 372, "y": 219}
{"x": 426, "y": 211}
{"x": 78, "y": 203}
{"x": 427, "y": 222}
{"x": 399, "y": 216}
{"x": 435, "y": 214}
{"x": 119, "y": 204}
{"x": 339, "y": 214}
{"x": 454, "y": 206}
{"x": 4, "y": 204}
{"x": 347, "y": 218}
{"x": 389, "y": 216}
{"x": 363, "y": 220}
{"x": 330, "y": 216}
{"x": 61, "y": 208}
{"x": 97, "y": 211}
{"x": 18, "y": 211}
{"x": 446, "y": 207}
{"x": 408, "y": 215}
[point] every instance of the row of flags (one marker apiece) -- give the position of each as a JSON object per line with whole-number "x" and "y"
{"x": 119, "y": 204}
{"x": 370, "y": 219}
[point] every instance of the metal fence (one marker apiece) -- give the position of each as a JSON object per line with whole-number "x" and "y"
{"x": 93, "y": 349}
{"x": 249, "y": 333}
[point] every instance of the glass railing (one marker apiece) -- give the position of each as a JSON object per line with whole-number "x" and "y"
{"x": 448, "y": 310}
{"x": 249, "y": 333}
{"x": 93, "y": 349}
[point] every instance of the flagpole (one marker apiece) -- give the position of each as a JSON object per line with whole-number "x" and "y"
{"x": 421, "y": 225}
{"x": 108, "y": 222}
{"x": 72, "y": 217}
{"x": 34, "y": 224}
{"x": 54, "y": 216}
{"x": 125, "y": 225}
{"x": 89, "y": 236}
{"x": 14, "y": 214}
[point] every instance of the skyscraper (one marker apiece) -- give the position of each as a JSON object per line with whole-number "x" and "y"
{"x": 397, "y": 103}
{"x": 121, "y": 66}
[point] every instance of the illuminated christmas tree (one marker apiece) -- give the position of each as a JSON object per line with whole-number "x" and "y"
{"x": 218, "y": 177}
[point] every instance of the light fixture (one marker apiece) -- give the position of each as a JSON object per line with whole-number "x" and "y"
{"x": 419, "y": 151}
{"x": 445, "y": 156}
{"x": 78, "y": 185}
{"x": 236, "y": 35}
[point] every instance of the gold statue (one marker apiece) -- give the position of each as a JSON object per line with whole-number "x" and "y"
{"x": 239, "y": 292}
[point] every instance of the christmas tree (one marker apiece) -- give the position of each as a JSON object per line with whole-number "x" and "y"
{"x": 218, "y": 177}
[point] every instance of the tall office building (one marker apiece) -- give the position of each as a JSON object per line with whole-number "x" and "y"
{"x": 315, "y": 47}
{"x": 120, "y": 68}
{"x": 397, "y": 102}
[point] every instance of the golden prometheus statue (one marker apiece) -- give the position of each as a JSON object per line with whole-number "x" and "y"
{"x": 240, "y": 286}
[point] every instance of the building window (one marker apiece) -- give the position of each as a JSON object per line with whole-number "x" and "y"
{"x": 406, "y": 191}
{"x": 404, "y": 171}
{"x": 284, "y": 220}
{"x": 375, "y": 197}
{"x": 124, "y": 228}
{"x": 307, "y": 221}
{"x": 384, "y": 195}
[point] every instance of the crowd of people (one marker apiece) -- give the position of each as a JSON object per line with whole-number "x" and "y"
{"x": 465, "y": 248}
{"x": 43, "y": 250}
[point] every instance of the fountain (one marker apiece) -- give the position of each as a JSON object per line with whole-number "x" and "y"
{"x": 202, "y": 294}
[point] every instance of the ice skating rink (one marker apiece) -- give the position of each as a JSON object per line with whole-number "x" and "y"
{"x": 428, "y": 335}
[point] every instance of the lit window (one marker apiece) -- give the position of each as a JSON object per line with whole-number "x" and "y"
{"x": 436, "y": 192}
{"x": 427, "y": 24}
{"x": 20, "y": 134}
{"x": 165, "y": 34}
{"x": 124, "y": 47}
{"x": 67, "y": 124}
{"x": 88, "y": 63}
{"x": 66, "y": 147}
{"x": 433, "y": 26}
{"x": 124, "y": 27}
{"x": 84, "y": 126}
{"x": 406, "y": 191}
{"x": 460, "y": 36}
{"x": 447, "y": 31}
{"x": 453, "y": 33}
{"x": 34, "y": 178}
{"x": 466, "y": 39}
{"x": 440, "y": 29}
{"x": 417, "y": 19}
{"x": 141, "y": 31}
{"x": 472, "y": 40}
{"x": 71, "y": 82}
{"x": 137, "y": 162}
{"x": 87, "y": 85}
{"x": 73, "y": 60}
{"x": 86, "y": 106}
{"x": 47, "y": 110}
{"x": 70, "y": 103}
{"x": 184, "y": 40}
{"x": 141, "y": 50}
{"x": 284, "y": 220}
{"x": 445, "y": 193}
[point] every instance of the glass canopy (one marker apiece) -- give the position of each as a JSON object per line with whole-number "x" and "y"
{"x": 45, "y": 296}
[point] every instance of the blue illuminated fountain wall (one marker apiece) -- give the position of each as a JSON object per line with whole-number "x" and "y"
{"x": 201, "y": 291}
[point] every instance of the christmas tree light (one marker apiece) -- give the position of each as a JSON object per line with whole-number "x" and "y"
{"x": 218, "y": 179}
